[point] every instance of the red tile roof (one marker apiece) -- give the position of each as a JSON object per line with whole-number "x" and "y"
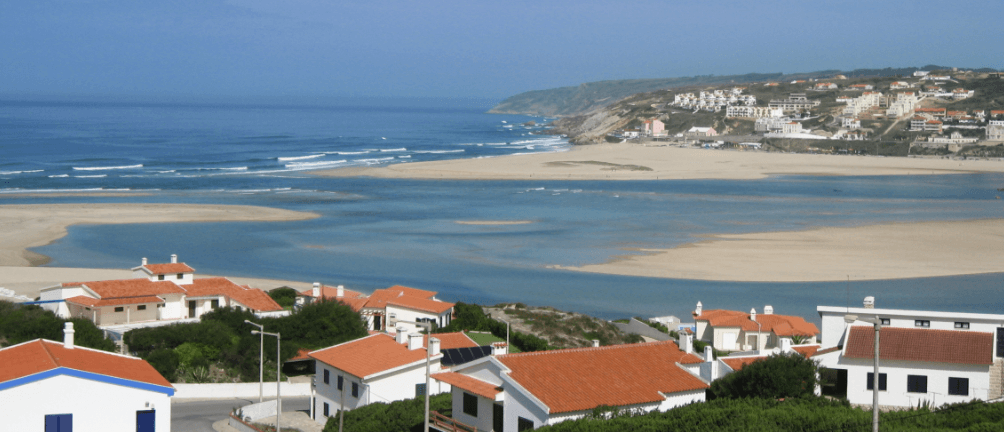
{"x": 452, "y": 340}
{"x": 93, "y": 302}
{"x": 806, "y": 350}
{"x": 413, "y": 292}
{"x": 421, "y": 304}
{"x": 332, "y": 292}
{"x": 781, "y": 325}
{"x": 585, "y": 378}
{"x": 130, "y": 287}
{"x": 171, "y": 268}
{"x": 41, "y": 355}
{"x": 253, "y": 298}
{"x": 411, "y": 298}
{"x": 472, "y": 385}
{"x": 356, "y": 304}
{"x": 740, "y": 362}
{"x": 921, "y": 345}
{"x": 369, "y": 355}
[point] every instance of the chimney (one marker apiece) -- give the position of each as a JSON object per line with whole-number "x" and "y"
{"x": 143, "y": 262}
{"x": 415, "y": 341}
{"x": 68, "y": 336}
{"x": 753, "y": 314}
{"x": 768, "y": 310}
{"x": 697, "y": 311}
{"x": 596, "y": 343}
{"x": 316, "y": 291}
{"x": 433, "y": 346}
{"x": 786, "y": 345}
{"x": 402, "y": 336}
{"x": 686, "y": 342}
{"x": 499, "y": 348}
{"x": 869, "y": 302}
{"x": 174, "y": 258}
{"x": 341, "y": 291}
{"x": 709, "y": 354}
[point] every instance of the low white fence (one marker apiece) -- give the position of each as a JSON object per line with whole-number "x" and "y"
{"x": 237, "y": 390}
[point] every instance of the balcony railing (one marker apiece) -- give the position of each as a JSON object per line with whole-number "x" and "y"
{"x": 447, "y": 424}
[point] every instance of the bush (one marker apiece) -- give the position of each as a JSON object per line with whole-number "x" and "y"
{"x": 165, "y": 361}
{"x": 472, "y": 317}
{"x": 401, "y": 416}
{"x": 22, "y": 323}
{"x": 778, "y": 376}
{"x": 285, "y": 296}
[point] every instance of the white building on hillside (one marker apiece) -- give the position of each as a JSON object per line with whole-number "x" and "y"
{"x": 60, "y": 387}
{"x": 740, "y": 331}
{"x": 925, "y": 356}
{"x": 386, "y": 306}
{"x": 524, "y": 391}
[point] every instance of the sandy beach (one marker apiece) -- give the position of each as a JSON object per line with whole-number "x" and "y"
{"x": 519, "y": 222}
{"x": 28, "y": 226}
{"x": 649, "y": 162}
{"x": 888, "y": 251}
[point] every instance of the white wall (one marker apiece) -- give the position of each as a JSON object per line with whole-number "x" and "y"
{"x": 896, "y": 381}
{"x": 404, "y": 314}
{"x": 96, "y": 406}
{"x": 396, "y": 386}
{"x": 60, "y": 309}
{"x": 238, "y": 390}
{"x": 486, "y": 411}
{"x": 518, "y": 405}
{"x": 834, "y": 325}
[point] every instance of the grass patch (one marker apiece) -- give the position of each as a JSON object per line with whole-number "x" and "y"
{"x": 483, "y": 339}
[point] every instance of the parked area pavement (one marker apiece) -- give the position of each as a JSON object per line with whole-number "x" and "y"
{"x": 204, "y": 415}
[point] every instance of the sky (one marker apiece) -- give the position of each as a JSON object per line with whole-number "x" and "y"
{"x": 462, "y": 49}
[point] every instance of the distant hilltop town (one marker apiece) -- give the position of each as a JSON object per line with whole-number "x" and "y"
{"x": 948, "y": 112}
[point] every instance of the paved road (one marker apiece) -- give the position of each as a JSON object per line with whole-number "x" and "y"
{"x": 199, "y": 415}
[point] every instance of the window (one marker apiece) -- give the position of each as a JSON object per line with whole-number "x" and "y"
{"x": 523, "y": 424}
{"x": 958, "y": 386}
{"x": 961, "y": 325}
{"x": 59, "y": 422}
{"x": 215, "y": 304}
{"x": 922, "y": 323}
{"x": 916, "y": 383}
{"x": 470, "y": 404}
{"x": 181, "y": 275}
{"x": 327, "y": 409}
{"x": 871, "y": 381}
{"x": 327, "y": 377}
{"x": 339, "y": 382}
{"x": 1000, "y": 341}
{"x": 420, "y": 390}
{"x": 160, "y": 277}
{"x": 119, "y": 309}
{"x": 355, "y": 390}
{"x": 141, "y": 307}
{"x": 885, "y": 321}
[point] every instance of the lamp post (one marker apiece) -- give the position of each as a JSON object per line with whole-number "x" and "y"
{"x": 278, "y": 375}
{"x": 261, "y": 362}
{"x": 849, "y": 319}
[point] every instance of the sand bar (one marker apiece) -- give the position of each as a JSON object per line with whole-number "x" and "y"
{"x": 496, "y": 222}
{"x": 34, "y": 225}
{"x": 649, "y": 162}
{"x": 888, "y": 251}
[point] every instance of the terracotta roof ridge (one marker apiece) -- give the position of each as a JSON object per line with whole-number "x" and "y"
{"x": 52, "y": 358}
{"x": 81, "y": 347}
{"x": 583, "y": 349}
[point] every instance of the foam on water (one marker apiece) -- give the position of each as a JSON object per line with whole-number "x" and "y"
{"x": 102, "y": 168}
{"x": 20, "y": 172}
{"x": 92, "y": 176}
{"x": 440, "y": 151}
{"x": 293, "y": 158}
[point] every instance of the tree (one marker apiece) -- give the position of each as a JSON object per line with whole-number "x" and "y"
{"x": 778, "y": 376}
{"x": 285, "y": 296}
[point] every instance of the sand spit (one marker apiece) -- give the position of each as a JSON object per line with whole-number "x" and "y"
{"x": 649, "y": 162}
{"x": 34, "y": 225}
{"x": 499, "y": 222}
{"x": 888, "y": 251}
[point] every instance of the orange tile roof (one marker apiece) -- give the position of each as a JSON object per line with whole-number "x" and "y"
{"x": 356, "y": 304}
{"x": 41, "y": 355}
{"x": 584, "y": 378}
{"x": 219, "y": 286}
{"x": 301, "y": 354}
{"x": 93, "y": 302}
{"x": 332, "y": 292}
{"x": 827, "y": 351}
{"x": 781, "y": 325}
{"x": 131, "y": 288}
{"x": 741, "y": 362}
{"x": 369, "y": 355}
{"x": 413, "y": 292}
{"x": 807, "y": 350}
{"x": 922, "y": 345}
{"x": 470, "y": 384}
{"x": 170, "y": 268}
{"x": 421, "y": 304}
{"x": 452, "y": 340}
{"x": 411, "y": 298}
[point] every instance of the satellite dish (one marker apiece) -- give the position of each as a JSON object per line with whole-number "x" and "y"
{"x": 776, "y": 350}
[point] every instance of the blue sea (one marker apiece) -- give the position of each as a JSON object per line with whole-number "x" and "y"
{"x": 378, "y": 232}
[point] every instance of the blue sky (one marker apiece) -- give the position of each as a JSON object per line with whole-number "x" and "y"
{"x": 472, "y": 48}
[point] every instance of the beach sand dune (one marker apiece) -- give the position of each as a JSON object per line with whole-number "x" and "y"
{"x": 649, "y": 162}
{"x": 28, "y": 226}
{"x": 888, "y": 251}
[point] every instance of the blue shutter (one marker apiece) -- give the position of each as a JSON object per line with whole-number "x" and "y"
{"x": 59, "y": 423}
{"x": 146, "y": 421}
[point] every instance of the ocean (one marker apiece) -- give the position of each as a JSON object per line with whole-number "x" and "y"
{"x": 378, "y": 232}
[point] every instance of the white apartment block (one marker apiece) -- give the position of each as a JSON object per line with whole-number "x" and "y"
{"x": 752, "y": 112}
{"x": 995, "y": 130}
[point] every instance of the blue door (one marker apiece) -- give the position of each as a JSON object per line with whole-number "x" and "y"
{"x": 59, "y": 423}
{"x": 145, "y": 420}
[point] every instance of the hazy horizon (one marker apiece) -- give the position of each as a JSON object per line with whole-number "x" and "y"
{"x": 313, "y": 50}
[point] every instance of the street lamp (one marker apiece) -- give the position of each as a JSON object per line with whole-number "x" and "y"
{"x": 849, "y": 319}
{"x": 278, "y": 374}
{"x": 261, "y": 362}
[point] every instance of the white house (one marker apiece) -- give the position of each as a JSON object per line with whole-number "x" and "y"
{"x": 524, "y": 391}
{"x": 60, "y": 387}
{"x": 386, "y": 306}
{"x": 740, "y": 331}
{"x": 924, "y": 356}
{"x": 376, "y": 368}
{"x": 159, "y": 292}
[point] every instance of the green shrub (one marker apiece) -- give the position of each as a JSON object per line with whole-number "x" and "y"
{"x": 401, "y": 416}
{"x": 22, "y": 323}
{"x": 472, "y": 317}
{"x": 778, "y": 376}
{"x": 285, "y": 296}
{"x": 164, "y": 361}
